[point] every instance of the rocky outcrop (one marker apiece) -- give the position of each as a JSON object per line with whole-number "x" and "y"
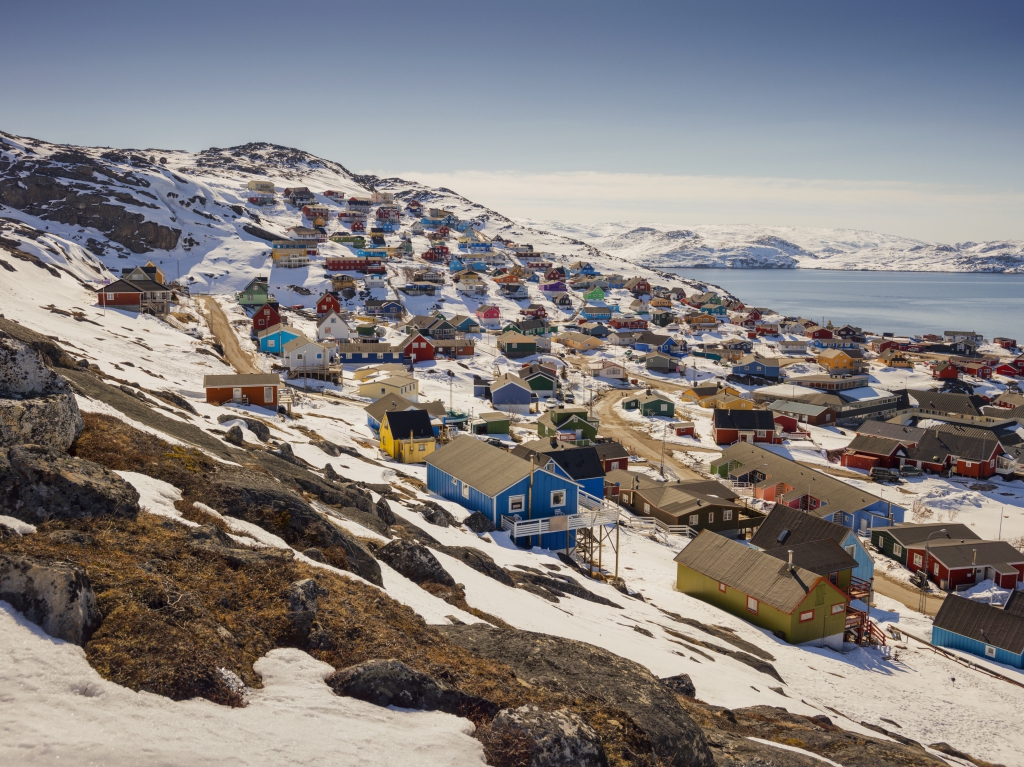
{"x": 392, "y": 683}
{"x": 480, "y": 562}
{"x": 37, "y": 406}
{"x": 37, "y": 485}
{"x": 302, "y": 597}
{"x": 415, "y": 562}
{"x": 436, "y": 514}
{"x": 680, "y": 684}
{"x": 590, "y": 673}
{"x": 235, "y": 436}
{"x": 479, "y": 523}
{"x": 212, "y": 540}
{"x": 554, "y": 738}
{"x": 56, "y": 596}
{"x": 553, "y": 587}
{"x": 257, "y": 427}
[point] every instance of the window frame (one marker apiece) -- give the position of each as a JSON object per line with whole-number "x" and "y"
{"x": 722, "y": 587}
{"x": 897, "y": 550}
{"x": 694, "y": 520}
{"x": 465, "y": 490}
{"x": 512, "y": 500}
{"x": 807, "y": 616}
{"x": 990, "y": 651}
{"x": 918, "y": 560}
{"x": 838, "y": 607}
{"x": 558, "y": 504}
{"x": 754, "y": 602}
{"x": 727, "y": 515}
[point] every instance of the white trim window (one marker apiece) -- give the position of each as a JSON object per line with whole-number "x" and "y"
{"x": 516, "y": 503}
{"x": 897, "y": 550}
{"x": 711, "y": 517}
{"x": 918, "y": 560}
{"x": 557, "y": 498}
{"x": 694, "y": 519}
{"x": 465, "y": 490}
{"x": 839, "y": 607}
{"x": 268, "y": 394}
{"x": 990, "y": 651}
{"x": 727, "y": 515}
{"x": 751, "y": 605}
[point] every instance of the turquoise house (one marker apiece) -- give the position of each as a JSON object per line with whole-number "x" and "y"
{"x": 273, "y": 339}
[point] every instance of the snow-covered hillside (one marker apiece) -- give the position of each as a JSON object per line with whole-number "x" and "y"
{"x": 781, "y": 247}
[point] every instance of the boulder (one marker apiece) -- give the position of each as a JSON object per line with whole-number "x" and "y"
{"x": 479, "y": 523}
{"x": 210, "y": 539}
{"x": 384, "y": 512}
{"x": 234, "y": 436}
{"x": 555, "y": 738}
{"x": 415, "y": 562}
{"x": 37, "y": 406}
{"x": 56, "y": 596}
{"x": 331, "y": 474}
{"x": 38, "y": 484}
{"x": 392, "y": 683}
{"x": 436, "y": 514}
{"x": 302, "y": 597}
{"x": 680, "y": 684}
{"x": 260, "y": 429}
{"x": 480, "y": 562}
{"x": 580, "y": 670}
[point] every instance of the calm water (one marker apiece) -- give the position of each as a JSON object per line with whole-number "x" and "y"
{"x": 900, "y": 302}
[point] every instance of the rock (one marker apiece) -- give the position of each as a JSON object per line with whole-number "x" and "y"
{"x": 37, "y": 484}
{"x": 83, "y": 363}
{"x": 56, "y": 596}
{"x": 37, "y": 406}
{"x": 415, "y": 562}
{"x": 479, "y": 523}
{"x": 480, "y": 562}
{"x": 384, "y": 512}
{"x": 210, "y": 539}
{"x": 71, "y": 538}
{"x": 555, "y": 738}
{"x": 257, "y": 427}
{"x": 328, "y": 447}
{"x": 315, "y": 554}
{"x": 302, "y": 597}
{"x": 436, "y": 514}
{"x": 557, "y": 586}
{"x": 392, "y": 683}
{"x": 581, "y": 670}
{"x": 331, "y": 474}
{"x": 680, "y": 684}
{"x": 234, "y": 436}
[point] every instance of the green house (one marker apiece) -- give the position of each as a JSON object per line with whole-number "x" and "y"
{"x": 514, "y": 344}
{"x": 256, "y": 293}
{"x": 595, "y": 294}
{"x": 491, "y": 423}
{"x": 650, "y": 404}
{"x": 662, "y": 317}
{"x": 572, "y": 425}
{"x": 794, "y": 603}
{"x": 355, "y": 240}
{"x": 894, "y": 540}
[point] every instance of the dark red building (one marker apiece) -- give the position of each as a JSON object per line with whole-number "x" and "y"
{"x": 265, "y": 317}
{"x": 327, "y": 304}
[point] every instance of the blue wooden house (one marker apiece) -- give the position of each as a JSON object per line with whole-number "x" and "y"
{"x": 833, "y": 343}
{"x": 717, "y": 310}
{"x": 455, "y": 265}
{"x": 993, "y": 633}
{"x": 383, "y": 308}
{"x": 583, "y": 268}
{"x": 480, "y": 247}
{"x": 496, "y": 483}
{"x": 580, "y": 464}
{"x": 273, "y": 339}
{"x": 465, "y": 323}
{"x": 511, "y": 394}
{"x": 786, "y": 526}
{"x": 595, "y": 312}
{"x": 756, "y": 365}
{"x": 369, "y": 352}
{"x": 653, "y": 342}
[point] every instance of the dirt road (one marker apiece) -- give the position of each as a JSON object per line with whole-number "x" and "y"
{"x": 910, "y": 597}
{"x": 218, "y": 323}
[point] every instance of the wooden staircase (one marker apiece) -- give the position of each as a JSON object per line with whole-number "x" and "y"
{"x": 864, "y": 630}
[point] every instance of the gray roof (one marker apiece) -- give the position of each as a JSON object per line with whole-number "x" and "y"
{"x": 610, "y": 450}
{"x": 797, "y": 408}
{"x": 956, "y": 553}
{"x": 748, "y": 570}
{"x": 945, "y": 402}
{"x": 908, "y": 534}
{"x": 744, "y": 420}
{"x": 785, "y": 527}
{"x": 687, "y": 496}
{"x": 481, "y": 466}
{"x": 253, "y": 379}
{"x": 982, "y": 622}
{"x": 493, "y": 417}
{"x": 823, "y": 556}
{"x": 865, "y": 443}
{"x": 892, "y": 431}
{"x": 837, "y": 495}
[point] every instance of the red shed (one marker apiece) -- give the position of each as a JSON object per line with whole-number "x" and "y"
{"x": 416, "y": 348}
{"x": 357, "y": 226}
{"x": 819, "y": 332}
{"x": 265, "y": 317}
{"x": 1007, "y": 370}
{"x": 252, "y": 389}
{"x": 945, "y": 371}
{"x": 327, "y": 304}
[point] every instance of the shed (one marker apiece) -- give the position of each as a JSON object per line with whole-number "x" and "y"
{"x": 980, "y": 629}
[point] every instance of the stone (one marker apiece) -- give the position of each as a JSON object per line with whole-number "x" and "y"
{"x": 257, "y": 427}
{"x": 557, "y": 738}
{"x": 680, "y": 684}
{"x": 37, "y": 485}
{"x": 315, "y": 554}
{"x": 56, "y": 596}
{"x": 392, "y": 683}
{"x": 415, "y": 562}
{"x": 479, "y": 523}
{"x": 384, "y": 512}
{"x": 37, "y": 405}
{"x": 303, "y": 603}
{"x": 436, "y": 514}
{"x": 234, "y": 436}
{"x": 331, "y": 474}
{"x": 71, "y": 538}
{"x": 480, "y": 562}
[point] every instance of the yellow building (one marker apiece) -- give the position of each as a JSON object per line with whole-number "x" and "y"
{"x": 400, "y": 385}
{"x": 407, "y": 436}
{"x": 709, "y": 395}
{"x": 838, "y": 362}
{"x": 730, "y": 402}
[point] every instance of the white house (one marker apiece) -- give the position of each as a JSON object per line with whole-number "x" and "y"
{"x": 792, "y": 348}
{"x": 607, "y": 369}
{"x": 301, "y": 353}
{"x": 333, "y": 328}
{"x": 375, "y": 281}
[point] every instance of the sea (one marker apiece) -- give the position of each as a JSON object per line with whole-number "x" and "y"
{"x": 904, "y": 303}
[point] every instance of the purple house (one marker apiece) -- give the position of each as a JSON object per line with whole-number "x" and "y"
{"x": 555, "y": 286}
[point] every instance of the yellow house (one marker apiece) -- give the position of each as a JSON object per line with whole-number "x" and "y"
{"x": 837, "y": 362}
{"x": 579, "y": 341}
{"x": 708, "y": 395}
{"x": 658, "y": 301}
{"x": 402, "y": 386}
{"x": 730, "y": 402}
{"x": 407, "y": 436}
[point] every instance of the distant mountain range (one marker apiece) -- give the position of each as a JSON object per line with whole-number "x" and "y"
{"x": 779, "y": 247}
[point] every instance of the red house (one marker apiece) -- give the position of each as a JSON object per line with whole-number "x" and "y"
{"x": 488, "y": 312}
{"x": 136, "y": 295}
{"x": 536, "y": 311}
{"x": 755, "y": 315}
{"x": 945, "y": 371}
{"x": 327, "y": 304}
{"x": 416, "y": 348}
{"x": 1006, "y": 343}
{"x": 952, "y": 563}
{"x": 353, "y": 263}
{"x": 628, "y": 323}
{"x": 755, "y": 426}
{"x": 975, "y": 368}
{"x": 819, "y": 332}
{"x": 638, "y": 286}
{"x": 683, "y": 429}
{"x": 1007, "y": 369}
{"x": 249, "y": 389}
{"x": 357, "y": 226}
{"x": 265, "y": 317}
{"x": 612, "y": 455}
{"x": 444, "y": 231}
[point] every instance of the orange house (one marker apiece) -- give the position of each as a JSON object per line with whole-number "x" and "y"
{"x": 251, "y": 389}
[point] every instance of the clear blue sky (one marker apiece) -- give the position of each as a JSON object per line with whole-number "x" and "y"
{"x": 919, "y": 95}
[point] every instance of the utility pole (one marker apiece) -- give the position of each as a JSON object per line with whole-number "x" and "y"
{"x": 664, "y": 435}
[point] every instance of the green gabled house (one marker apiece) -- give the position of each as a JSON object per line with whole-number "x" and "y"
{"x": 894, "y": 540}
{"x": 571, "y": 425}
{"x": 594, "y": 294}
{"x": 256, "y": 293}
{"x": 650, "y": 404}
{"x": 796, "y": 604}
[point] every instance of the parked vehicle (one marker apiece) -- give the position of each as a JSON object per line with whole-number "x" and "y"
{"x": 570, "y": 398}
{"x": 882, "y": 474}
{"x": 550, "y": 403}
{"x": 911, "y": 471}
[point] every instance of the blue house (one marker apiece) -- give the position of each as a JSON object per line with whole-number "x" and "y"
{"x": 369, "y": 352}
{"x": 511, "y": 394}
{"x": 785, "y": 526}
{"x": 717, "y": 310}
{"x": 496, "y": 483}
{"x": 480, "y": 247}
{"x": 756, "y": 365}
{"x": 383, "y": 308}
{"x": 580, "y": 464}
{"x": 981, "y": 629}
{"x": 465, "y": 323}
{"x": 583, "y": 268}
{"x": 273, "y": 339}
{"x": 455, "y": 265}
{"x": 653, "y": 342}
{"x": 595, "y": 311}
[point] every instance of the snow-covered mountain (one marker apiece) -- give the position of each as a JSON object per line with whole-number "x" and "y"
{"x": 780, "y": 247}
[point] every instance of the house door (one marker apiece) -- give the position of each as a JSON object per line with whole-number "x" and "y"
{"x": 743, "y": 438}
{"x": 864, "y": 524}
{"x": 236, "y": 393}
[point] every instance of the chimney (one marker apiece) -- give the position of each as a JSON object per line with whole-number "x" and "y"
{"x": 791, "y": 559}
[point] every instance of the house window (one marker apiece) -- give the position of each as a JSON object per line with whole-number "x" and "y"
{"x": 721, "y": 587}
{"x": 807, "y": 616}
{"x": 897, "y": 550}
{"x": 268, "y": 393}
{"x": 751, "y": 605}
{"x": 664, "y": 408}
{"x": 968, "y": 464}
{"x": 557, "y": 498}
{"x": 851, "y": 550}
{"x": 694, "y": 519}
{"x": 110, "y": 296}
{"x": 935, "y": 568}
{"x": 465, "y": 490}
{"x": 647, "y": 508}
{"x": 839, "y": 608}
{"x": 711, "y": 517}
{"x": 760, "y": 432}
{"x": 516, "y": 503}
{"x": 990, "y": 651}
{"x": 918, "y": 560}
{"x": 727, "y": 515}
{"x": 422, "y": 447}
{"x": 271, "y": 342}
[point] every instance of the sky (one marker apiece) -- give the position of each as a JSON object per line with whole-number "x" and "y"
{"x": 900, "y": 117}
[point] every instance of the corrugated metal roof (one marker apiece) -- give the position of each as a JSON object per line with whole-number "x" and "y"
{"x": 748, "y": 570}
{"x": 799, "y": 527}
{"x": 982, "y": 622}
{"x": 254, "y": 379}
{"x": 907, "y": 533}
{"x": 484, "y": 467}
{"x": 822, "y": 557}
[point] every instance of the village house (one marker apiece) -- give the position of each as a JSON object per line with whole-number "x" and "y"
{"x": 248, "y": 389}
{"x": 516, "y": 345}
{"x": 273, "y": 339}
{"x": 260, "y": 192}
{"x": 984, "y": 630}
{"x": 388, "y": 309}
{"x": 580, "y": 464}
{"x": 1005, "y": 343}
{"x": 511, "y": 394}
{"x": 579, "y": 341}
{"x": 255, "y": 293}
{"x": 607, "y": 370}
{"x": 757, "y": 366}
{"x": 895, "y": 358}
{"x": 265, "y": 317}
{"x": 365, "y": 351}
{"x": 654, "y": 342}
{"x": 404, "y": 386}
{"x": 327, "y": 304}
{"x": 650, "y": 404}
{"x": 498, "y": 484}
{"x": 491, "y": 423}
{"x": 611, "y": 454}
{"x": 407, "y": 435}
{"x": 596, "y": 312}
{"x": 701, "y": 322}
{"x": 657, "y": 362}
{"x": 139, "y": 293}
{"x": 754, "y": 426}
{"x": 571, "y": 424}
{"x": 956, "y": 563}
{"x": 292, "y": 254}
{"x": 693, "y": 504}
{"x": 802, "y": 412}
{"x": 543, "y": 379}
{"x": 794, "y": 603}
{"x": 301, "y": 356}
{"x": 638, "y": 286}
{"x": 791, "y": 348}
{"x": 708, "y": 395}
{"x": 955, "y": 336}
{"x": 488, "y": 314}
{"x": 839, "y": 362}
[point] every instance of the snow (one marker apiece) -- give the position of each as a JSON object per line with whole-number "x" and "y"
{"x": 295, "y": 718}
{"x": 21, "y": 528}
{"x": 795, "y": 750}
